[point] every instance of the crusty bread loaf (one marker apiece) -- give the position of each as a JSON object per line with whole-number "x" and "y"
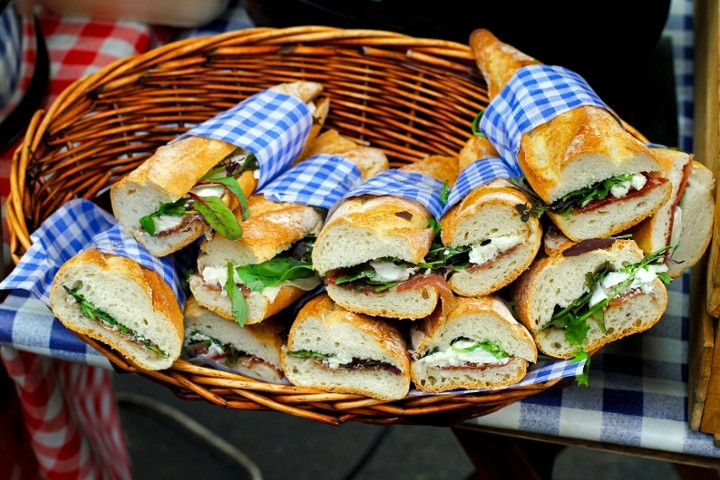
{"x": 560, "y": 279}
{"x": 686, "y": 219}
{"x": 574, "y": 150}
{"x": 134, "y": 296}
{"x": 489, "y": 213}
{"x": 369, "y": 227}
{"x": 260, "y": 344}
{"x": 698, "y": 207}
{"x": 481, "y": 319}
{"x": 322, "y": 326}
{"x": 173, "y": 170}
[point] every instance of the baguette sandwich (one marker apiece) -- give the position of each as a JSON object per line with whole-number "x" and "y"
{"x": 595, "y": 178}
{"x": 371, "y": 250}
{"x": 685, "y": 221}
{"x": 271, "y": 262}
{"x": 120, "y": 303}
{"x": 491, "y": 239}
{"x": 478, "y": 344}
{"x": 585, "y": 295}
{"x": 332, "y": 349}
{"x": 253, "y": 351}
{"x": 167, "y": 201}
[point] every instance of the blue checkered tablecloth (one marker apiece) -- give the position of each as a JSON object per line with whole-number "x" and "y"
{"x": 638, "y": 387}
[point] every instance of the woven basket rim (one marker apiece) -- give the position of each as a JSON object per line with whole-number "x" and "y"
{"x": 195, "y": 382}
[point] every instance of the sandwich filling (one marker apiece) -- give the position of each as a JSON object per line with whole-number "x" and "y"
{"x": 604, "y": 192}
{"x": 108, "y": 322}
{"x": 267, "y": 278}
{"x": 600, "y": 289}
{"x": 205, "y": 201}
{"x": 343, "y": 360}
{"x": 201, "y": 345}
{"x": 466, "y": 353}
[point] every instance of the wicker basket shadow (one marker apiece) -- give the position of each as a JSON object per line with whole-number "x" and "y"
{"x": 406, "y": 95}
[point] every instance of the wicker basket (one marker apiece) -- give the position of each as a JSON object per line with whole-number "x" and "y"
{"x": 406, "y": 95}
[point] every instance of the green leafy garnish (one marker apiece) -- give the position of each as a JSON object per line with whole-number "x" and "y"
{"x": 273, "y": 272}
{"x": 445, "y": 193}
{"x": 218, "y": 216}
{"x": 97, "y": 314}
{"x": 175, "y": 209}
{"x": 308, "y": 354}
{"x": 238, "y": 304}
{"x": 475, "y": 126}
{"x": 574, "y": 317}
{"x": 441, "y": 257}
{"x": 488, "y": 346}
{"x": 582, "y": 379}
{"x": 582, "y": 197}
{"x": 212, "y": 208}
{"x": 365, "y": 274}
{"x": 231, "y": 354}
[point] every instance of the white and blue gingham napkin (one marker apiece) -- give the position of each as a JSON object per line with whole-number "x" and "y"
{"x": 271, "y": 125}
{"x": 480, "y": 172}
{"x": 410, "y": 185}
{"x": 319, "y": 181}
{"x": 76, "y": 226}
{"x": 534, "y": 95}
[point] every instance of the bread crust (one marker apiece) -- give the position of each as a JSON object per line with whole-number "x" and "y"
{"x": 154, "y": 293}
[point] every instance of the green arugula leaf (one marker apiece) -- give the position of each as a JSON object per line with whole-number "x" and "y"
{"x": 441, "y": 257}
{"x": 445, "y": 193}
{"x": 218, "y": 216}
{"x": 97, "y": 314}
{"x": 475, "y": 126}
{"x": 582, "y": 197}
{"x": 238, "y": 304}
{"x": 574, "y": 317}
{"x": 582, "y": 379}
{"x": 364, "y": 274}
{"x": 488, "y": 346}
{"x": 308, "y": 354}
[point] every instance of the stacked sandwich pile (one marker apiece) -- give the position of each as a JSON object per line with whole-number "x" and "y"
{"x": 552, "y": 231}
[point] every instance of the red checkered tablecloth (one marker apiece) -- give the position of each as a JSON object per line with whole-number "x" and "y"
{"x": 68, "y": 425}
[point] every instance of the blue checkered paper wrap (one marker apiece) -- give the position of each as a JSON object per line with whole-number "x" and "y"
{"x": 534, "y": 95}
{"x": 272, "y": 125}
{"x": 410, "y": 185}
{"x": 319, "y": 181}
{"x": 479, "y": 173}
{"x": 79, "y": 225}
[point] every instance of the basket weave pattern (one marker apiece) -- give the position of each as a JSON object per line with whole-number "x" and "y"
{"x": 408, "y": 96}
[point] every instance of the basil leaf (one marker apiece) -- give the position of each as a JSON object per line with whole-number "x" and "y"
{"x": 364, "y": 272}
{"x": 218, "y": 216}
{"x": 475, "y": 126}
{"x": 238, "y": 304}
{"x": 440, "y": 256}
